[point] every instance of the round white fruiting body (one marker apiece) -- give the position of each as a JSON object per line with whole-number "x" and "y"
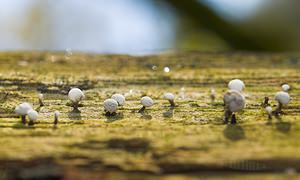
{"x": 119, "y": 98}
{"x": 269, "y": 109}
{"x": 282, "y": 97}
{"x": 237, "y": 85}
{"x": 285, "y": 87}
{"x": 75, "y": 95}
{"x": 169, "y": 96}
{"x": 41, "y": 96}
{"x": 146, "y": 101}
{"x": 110, "y": 105}
{"x": 234, "y": 101}
{"x": 32, "y": 115}
{"x": 56, "y": 114}
{"x": 22, "y": 109}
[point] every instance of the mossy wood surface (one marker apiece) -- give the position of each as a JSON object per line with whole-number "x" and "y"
{"x": 188, "y": 141}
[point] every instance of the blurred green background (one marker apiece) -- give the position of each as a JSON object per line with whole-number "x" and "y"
{"x": 150, "y": 26}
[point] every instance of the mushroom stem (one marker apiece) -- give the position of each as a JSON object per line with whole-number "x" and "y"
{"x": 227, "y": 115}
{"x": 41, "y": 102}
{"x": 270, "y": 116}
{"x": 23, "y": 119}
{"x": 75, "y": 107}
{"x": 233, "y": 119}
{"x": 172, "y": 103}
{"x": 107, "y": 113}
{"x": 278, "y": 109}
{"x": 266, "y": 102}
{"x": 212, "y": 97}
{"x": 55, "y": 120}
{"x": 142, "y": 109}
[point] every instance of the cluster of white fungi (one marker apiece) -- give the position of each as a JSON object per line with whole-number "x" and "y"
{"x": 234, "y": 101}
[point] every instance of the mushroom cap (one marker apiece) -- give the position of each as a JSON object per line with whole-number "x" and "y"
{"x": 234, "y": 101}
{"x": 32, "y": 115}
{"x": 146, "y": 101}
{"x": 119, "y": 98}
{"x": 236, "y": 84}
{"x": 110, "y": 105}
{"x": 285, "y": 87}
{"x": 269, "y": 109}
{"x": 169, "y": 96}
{"x": 41, "y": 96}
{"x": 75, "y": 95}
{"x": 282, "y": 97}
{"x": 56, "y": 113}
{"x": 23, "y": 108}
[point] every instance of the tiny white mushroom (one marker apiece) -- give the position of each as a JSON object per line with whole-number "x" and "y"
{"x": 170, "y": 97}
{"x": 32, "y": 115}
{"x": 110, "y": 106}
{"x": 56, "y": 114}
{"x": 75, "y": 95}
{"x": 285, "y": 87}
{"x": 22, "y": 110}
{"x": 269, "y": 111}
{"x": 119, "y": 98}
{"x": 146, "y": 101}
{"x": 41, "y": 100}
{"x": 283, "y": 98}
{"x": 212, "y": 95}
{"x": 234, "y": 102}
{"x": 237, "y": 85}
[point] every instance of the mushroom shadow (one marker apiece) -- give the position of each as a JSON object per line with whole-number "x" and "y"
{"x": 169, "y": 113}
{"x": 146, "y": 116}
{"x": 74, "y": 115}
{"x": 22, "y": 126}
{"x": 116, "y": 117}
{"x": 234, "y": 132}
{"x": 132, "y": 145}
{"x": 282, "y": 126}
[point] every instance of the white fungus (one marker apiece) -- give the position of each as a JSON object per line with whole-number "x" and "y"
{"x": 33, "y": 116}
{"x": 170, "y": 97}
{"x": 119, "y": 98}
{"x": 269, "y": 111}
{"x": 56, "y": 114}
{"x": 23, "y": 108}
{"x": 166, "y": 69}
{"x": 234, "y": 101}
{"x": 75, "y": 95}
{"x": 110, "y": 106}
{"x": 41, "y": 99}
{"x": 146, "y": 101}
{"x": 285, "y": 87}
{"x": 237, "y": 85}
{"x": 212, "y": 95}
{"x": 282, "y": 97}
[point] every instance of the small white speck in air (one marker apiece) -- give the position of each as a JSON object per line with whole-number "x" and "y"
{"x": 68, "y": 53}
{"x": 154, "y": 68}
{"x": 166, "y": 69}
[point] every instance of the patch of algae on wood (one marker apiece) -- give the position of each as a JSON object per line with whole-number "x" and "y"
{"x": 188, "y": 138}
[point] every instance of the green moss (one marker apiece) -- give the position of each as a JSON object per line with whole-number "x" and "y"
{"x": 190, "y": 136}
